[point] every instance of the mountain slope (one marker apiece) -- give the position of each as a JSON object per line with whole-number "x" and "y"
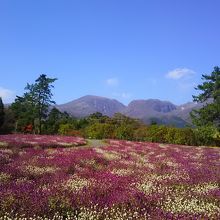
{"x": 89, "y": 104}
{"x": 162, "y": 112}
{"x": 154, "y": 110}
{"x": 150, "y": 107}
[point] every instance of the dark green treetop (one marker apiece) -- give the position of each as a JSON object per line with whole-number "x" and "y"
{"x": 209, "y": 114}
{"x": 2, "y": 113}
{"x": 32, "y": 108}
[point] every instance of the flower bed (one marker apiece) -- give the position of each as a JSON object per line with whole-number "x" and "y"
{"x": 44, "y": 141}
{"x": 125, "y": 180}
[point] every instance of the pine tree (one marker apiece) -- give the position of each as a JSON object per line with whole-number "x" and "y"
{"x": 32, "y": 108}
{"x": 42, "y": 96}
{"x": 209, "y": 114}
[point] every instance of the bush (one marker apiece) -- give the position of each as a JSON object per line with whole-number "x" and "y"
{"x": 207, "y": 135}
{"x": 156, "y": 133}
{"x": 140, "y": 133}
{"x": 124, "y": 131}
{"x": 183, "y": 136}
{"x": 169, "y": 135}
{"x": 64, "y": 129}
{"x": 100, "y": 131}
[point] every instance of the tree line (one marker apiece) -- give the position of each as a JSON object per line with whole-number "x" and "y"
{"x": 34, "y": 112}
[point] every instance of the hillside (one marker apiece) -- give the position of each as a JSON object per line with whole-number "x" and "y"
{"x": 162, "y": 112}
{"x": 152, "y": 107}
{"x": 89, "y": 104}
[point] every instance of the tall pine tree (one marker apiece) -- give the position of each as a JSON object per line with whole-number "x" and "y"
{"x": 32, "y": 108}
{"x": 209, "y": 114}
{"x": 42, "y": 95}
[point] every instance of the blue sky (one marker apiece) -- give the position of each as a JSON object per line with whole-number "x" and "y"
{"x": 123, "y": 49}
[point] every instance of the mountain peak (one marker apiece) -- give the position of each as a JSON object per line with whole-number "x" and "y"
{"x": 146, "y": 110}
{"x": 89, "y": 104}
{"x": 153, "y": 107}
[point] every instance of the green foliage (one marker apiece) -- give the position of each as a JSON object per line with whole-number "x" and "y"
{"x": 54, "y": 119}
{"x": 97, "y": 118}
{"x": 123, "y": 127}
{"x": 156, "y": 133}
{"x": 140, "y": 133}
{"x": 209, "y": 114}
{"x": 23, "y": 111}
{"x": 82, "y": 123}
{"x": 33, "y": 106}
{"x": 119, "y": 119}
{"x": 163, "y": 134}
{"x": 124, "y": 131}
{"x": 64, "y": 129}
{"x": 9, "y": 122}
{"x": 170, "y": 135}
{"x": 100, "y": 131}
{"x": 42, "y": 97}
{"x": 184, "y": 136}
{"x": 2, "y": 113}
{"x": 207, "y": 135}
{"x": 119, "y": 126}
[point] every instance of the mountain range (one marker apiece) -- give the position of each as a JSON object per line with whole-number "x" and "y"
{"x": 162, "y": 112}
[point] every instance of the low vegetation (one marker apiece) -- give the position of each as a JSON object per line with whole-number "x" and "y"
{"x": 139, "y": 172}
{"x": 41, "y": 141}
{"x": 122, "y": 180}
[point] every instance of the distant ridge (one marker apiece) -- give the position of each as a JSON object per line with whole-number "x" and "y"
{"x": 152, "y": 107}
{"x": 89, "y": 104}
{"x": 163, "y": 112}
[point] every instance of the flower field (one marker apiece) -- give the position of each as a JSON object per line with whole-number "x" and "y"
{"x": 43, "y": 141}
{"x": 122, "y": 180}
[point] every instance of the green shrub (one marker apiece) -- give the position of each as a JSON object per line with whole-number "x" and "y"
{"x": 183, "y": 136}
{"x": 207, "y": 135}
{"x": 156, "y": 133}
{"x": 170, "y": 135}
{"x": 64, "y": 129}
{"x": 124, "y": 131}
{"x": 140, "y": 133}
{"x": 190, "y": 138}
{"x": 99, "y": 131}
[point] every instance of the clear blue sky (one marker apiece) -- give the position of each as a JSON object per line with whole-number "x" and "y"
{"x": 123, "y": 49}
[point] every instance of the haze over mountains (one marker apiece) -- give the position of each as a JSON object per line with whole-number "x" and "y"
{"x": 163, "y": 112}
